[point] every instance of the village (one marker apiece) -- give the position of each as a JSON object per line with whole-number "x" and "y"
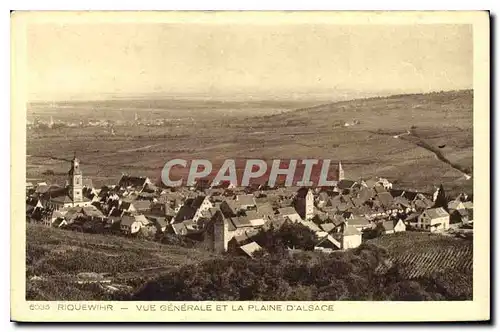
{"x": 224, "y": 217}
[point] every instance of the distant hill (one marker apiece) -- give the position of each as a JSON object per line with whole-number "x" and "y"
{"x": 371, "y": 137}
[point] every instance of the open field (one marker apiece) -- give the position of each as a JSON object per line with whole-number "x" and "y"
{"x": 421, "y": 254}
{"x": 57, "y": 256}
{"x": 443, "y": 121}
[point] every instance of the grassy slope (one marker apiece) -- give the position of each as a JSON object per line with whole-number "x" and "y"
{"x": 54, "y": 253}
{"x": 367, "y": 149}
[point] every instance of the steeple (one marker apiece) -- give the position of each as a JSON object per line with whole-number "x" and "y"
{"x": 75, "y": 179}
{"x": 340, "y": 172}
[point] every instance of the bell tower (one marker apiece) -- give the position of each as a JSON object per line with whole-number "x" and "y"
{"x": 340, "y": 172}
{"x": 75, "y": 179}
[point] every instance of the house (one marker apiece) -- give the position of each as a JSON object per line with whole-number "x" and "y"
{"x": 265, "y": 210}
{"x": 127, "y": 206}
{"x": 388, "y": 226}
{"x": 180, "y": 228}
{"x": 459, "y": 217}
{"x": 351, "y": 237}
{"x": 328, "y": 227}
{"x": 142, "y": 205}
{"x": 433, "y": 220}
{"x": 455, "y": 205}
{"x": 159, "y": 221}
{"x": 385, "y": 183}
{"x": 250, "y": 249}
{"x": 59, "y": 223}
{"x": 347, "y": 238}
{"x": 328, "y": 244}
{"x": 399, "y": 226}
{"x": 290, "y": 213}
{"x": 193, "y": 208}
{"x": 129, "y": 225}
{"x": 386, "y": 200}
{"x": 245, "y": 202}
{"x": 136, "y": 183}
{"x": 360, "y": 223}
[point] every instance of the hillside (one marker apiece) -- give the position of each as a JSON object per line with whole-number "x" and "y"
{"x": 423, "y": 254}
{"x": 55, "y": 257}
{"x": 438, "y": 122}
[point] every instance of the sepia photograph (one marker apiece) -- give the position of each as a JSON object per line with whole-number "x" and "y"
{"x": 263, "y": 157}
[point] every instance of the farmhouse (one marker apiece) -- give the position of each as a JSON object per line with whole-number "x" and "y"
{"x": 349, "y": 237}
{"x": 129, "y": 224}
{"x": 434, "y": 220}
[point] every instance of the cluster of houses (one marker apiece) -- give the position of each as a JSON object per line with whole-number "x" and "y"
{"x": 225, "y": 216}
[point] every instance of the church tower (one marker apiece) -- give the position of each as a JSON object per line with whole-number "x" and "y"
{"x": 221, "y": 235}
{"x": 75, "y": 178}
{"x": 340, "y": 172}
{"x": 309, "y": 205}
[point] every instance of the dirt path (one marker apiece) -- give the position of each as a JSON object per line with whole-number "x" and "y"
{"x": 412, "y": 137}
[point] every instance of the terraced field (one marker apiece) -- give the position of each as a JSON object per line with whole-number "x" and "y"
{"x": 423, "y": 254}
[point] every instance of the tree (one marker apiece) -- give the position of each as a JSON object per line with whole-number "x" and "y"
{"x": 441, "y": 200}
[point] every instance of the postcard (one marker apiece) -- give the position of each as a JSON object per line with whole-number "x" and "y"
{"x": 250, "y": 166}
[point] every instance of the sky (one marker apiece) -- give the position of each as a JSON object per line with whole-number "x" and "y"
{"x": 79, "y": 61}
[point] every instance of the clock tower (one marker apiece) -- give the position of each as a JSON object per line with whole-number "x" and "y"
{"x": 75, "y": 189}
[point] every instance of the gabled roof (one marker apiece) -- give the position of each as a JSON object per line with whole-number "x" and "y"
{"x": 132, "y": 181}
{"x": 388, "y": 225}
{"x": 245, "y": 200}
{"x": 370, "y": 183}
{"x": 362, "y": 210}
{"x": 196, "y": 202}
{"x": 351, "y": 230}
{"x": 92, "y": 211}
{"x": 436, "y": 213}
{"x": 410, "y": 195}
{"x": 286, "y": 211}
{"x": 179, "y": 228}
{"x": 185, "y": 212}
{"x": 455, "y": 205}
{"x": 396, "y": 192}
{"x": 468, "y": 205}
{"x": 127, "y": 220}
{"x": 241, "y": 221}
{"x": 126, "y": 205}
{"x": 358, "y": 221}
{"x": 403, "y": 201}
{"x": 264, "y": 209}
{"x": 379, "y": 189}
{"x": 412, "y": 216}
{"x": 142, "y": 219}
{"x": 385, "y": 199}
{"x": 328, "y": 227}
{"x": 142, "y": 205}
{"x": 345, "y": 184}
{"x": 250, "y": 248}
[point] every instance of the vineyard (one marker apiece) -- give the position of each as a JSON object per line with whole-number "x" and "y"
{"x": 422, "y": 254}
{"x": 57, "y": 256}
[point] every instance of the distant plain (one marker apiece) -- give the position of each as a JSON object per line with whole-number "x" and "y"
{"x": 370, "y": 145}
